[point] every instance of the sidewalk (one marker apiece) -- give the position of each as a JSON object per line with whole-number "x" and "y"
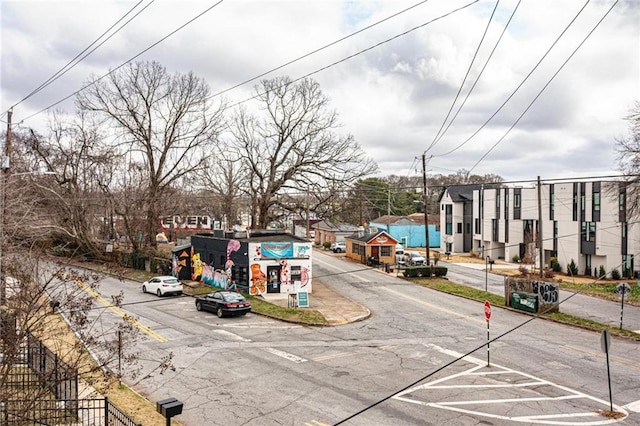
{"x": 336, "y": 308}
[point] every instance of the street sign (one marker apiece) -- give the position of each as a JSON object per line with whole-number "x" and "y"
{"x": 623, "y": 289}
{"x": 487, "y": 310}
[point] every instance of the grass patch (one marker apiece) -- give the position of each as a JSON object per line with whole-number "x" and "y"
{"x": 604, "y": 290}
{"x": 303, "y": 316}
{"x": 591, "y": 325}
{"x": 447, "y": 286}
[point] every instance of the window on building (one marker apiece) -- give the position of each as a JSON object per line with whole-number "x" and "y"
{"x": 552, "y": 201}
{"x": 506, "y": 230}
{"x": 295, "y": 273}
{"x": 516, "y": 201}
{"x": 476, "y": 226}
{"x": 588, "y": 231}
{"x": 596, "y": 201}
{"x": 448, "y": 219}
{"x": 575, "y": 201}
{"x": 385, "y": 250}
{"x": 494, "y": 229}
{"x": 459, "y": 230}
{"x": 621, "y": 201}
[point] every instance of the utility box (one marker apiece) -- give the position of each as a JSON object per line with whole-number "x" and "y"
{"x": 169, "y": 407}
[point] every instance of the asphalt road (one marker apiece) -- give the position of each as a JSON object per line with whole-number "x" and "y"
{"x": 402, "y": 366}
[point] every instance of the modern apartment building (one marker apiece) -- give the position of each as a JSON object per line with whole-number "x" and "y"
{"x": 586, "y": 222}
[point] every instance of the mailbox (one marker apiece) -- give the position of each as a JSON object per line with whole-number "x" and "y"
{"x": 169, "y": 407}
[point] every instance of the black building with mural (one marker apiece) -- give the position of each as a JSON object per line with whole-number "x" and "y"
{"x": 245, "y": 261}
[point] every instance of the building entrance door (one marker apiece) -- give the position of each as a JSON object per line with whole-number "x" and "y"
{"x": 273, "y": 279}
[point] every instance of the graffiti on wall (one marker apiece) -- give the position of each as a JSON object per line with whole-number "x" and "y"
{"x": 548, "y": 294}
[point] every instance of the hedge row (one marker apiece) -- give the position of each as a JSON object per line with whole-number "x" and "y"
{"x": 425, "y": 271}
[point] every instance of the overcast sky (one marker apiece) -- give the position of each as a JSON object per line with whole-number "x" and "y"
{"x": 393, "y": 84}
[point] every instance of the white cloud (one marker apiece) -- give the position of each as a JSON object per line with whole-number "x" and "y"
{"x": 392, "y": 98}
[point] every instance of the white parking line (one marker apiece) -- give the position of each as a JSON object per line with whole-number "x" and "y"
{"x": 286, "y": 355}
{"x": 477, "y": 373}
{"x": 633, "y": 406}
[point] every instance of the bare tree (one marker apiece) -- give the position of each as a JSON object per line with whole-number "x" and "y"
{"x": 164, "y": 123}
{"x": 628, "y": 158}
{"x": 223, "y": 184}
{"x": 55, "y": 193}
{"x": 50, "y": 314}
{"x": 294, "y": 144}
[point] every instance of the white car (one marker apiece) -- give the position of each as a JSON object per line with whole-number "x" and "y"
{"x": 399, "y": 249}
{"x": 162, "y": 285}
{"x": 338, "y": 247}
{"x": 413, "y": 258}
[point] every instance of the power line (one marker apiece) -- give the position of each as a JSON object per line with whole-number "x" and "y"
{"x": 477, "y": 79}
{"x": 127, "y": 61}
{"x": 365, "y": 50}
{"x": 519, "y": 86}
{"x": 70, "y": 65}
{"x": 545, "y": 86}
{"x": 319, "y": 49}
{"x": 464, "y": 80}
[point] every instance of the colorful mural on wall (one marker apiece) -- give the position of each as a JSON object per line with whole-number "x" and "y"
{"x": 179, "y": 261}
{"x": 207, "y": 274}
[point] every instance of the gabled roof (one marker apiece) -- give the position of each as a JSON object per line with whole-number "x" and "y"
{"x": 369, "y": 238}
{"x": 412, "y": 219}
{"x": 461, "y": 193}
{"x": 326, "y": 225}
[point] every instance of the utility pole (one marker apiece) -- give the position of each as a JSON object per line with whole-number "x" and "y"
{"x": 481, "y": 214}
{"x": 424, "y": 200}
{"x": 307, "y": 213}
{"x": 540, "y": 227}
{"x": 3, "y": 208}
{"x": 389, "y": 210}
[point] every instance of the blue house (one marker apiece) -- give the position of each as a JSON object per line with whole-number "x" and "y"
{"x": 409, "y": 230}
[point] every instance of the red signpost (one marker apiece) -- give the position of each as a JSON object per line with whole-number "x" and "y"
{"x": 487, "y": 315}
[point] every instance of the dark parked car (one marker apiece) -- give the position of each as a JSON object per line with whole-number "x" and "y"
{"x": 224, "y": 303}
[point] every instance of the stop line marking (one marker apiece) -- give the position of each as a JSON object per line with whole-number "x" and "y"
{"x": 549, "y": 419}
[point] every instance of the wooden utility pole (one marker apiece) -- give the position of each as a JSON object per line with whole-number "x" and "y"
{"x": 424, "y": 200}
{"x": 3, "y": 208}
